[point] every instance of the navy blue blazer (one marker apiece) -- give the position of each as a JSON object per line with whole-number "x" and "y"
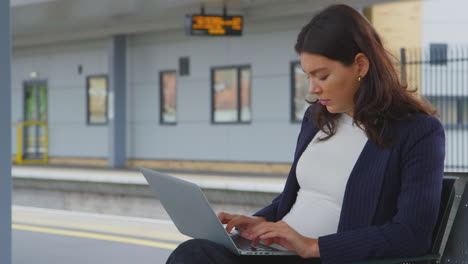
{"x": 392, "y": 196}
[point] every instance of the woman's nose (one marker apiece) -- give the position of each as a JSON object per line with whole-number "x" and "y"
{"x": 313, "y": 88}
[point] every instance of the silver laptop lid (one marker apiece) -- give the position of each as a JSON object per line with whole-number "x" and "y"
{"x": 188, "y": 208}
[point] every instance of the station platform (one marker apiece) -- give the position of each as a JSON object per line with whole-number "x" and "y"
{"x": 126, "y": 192}
{"x": 208, "y": 180}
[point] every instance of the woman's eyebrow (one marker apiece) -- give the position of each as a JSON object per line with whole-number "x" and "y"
{"x": 315, "y": 71}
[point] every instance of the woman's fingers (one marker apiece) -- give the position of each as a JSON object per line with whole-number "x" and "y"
{"x": 266, "y": 232}
{"x": 270, "y": 235}
{"x": 240, "y": 221}
{"x": 231, "y": 224}
{"x": 282, "y": 234}
{"x": 224, "y": 217}
{"x": 229, "y": 219}
{"x": 270, "y": 230}
{"x": 268, "y": 241}
{"x": 255, "y": 242}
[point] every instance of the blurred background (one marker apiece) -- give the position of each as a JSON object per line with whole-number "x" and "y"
{"x": 166, "y": 99}
{"x": 209, "y": 91}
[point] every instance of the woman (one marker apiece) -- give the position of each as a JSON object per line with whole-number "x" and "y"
{"x": 367, "y": 173}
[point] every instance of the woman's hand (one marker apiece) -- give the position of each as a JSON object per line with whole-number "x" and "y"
{"x": 281, "y": 233}
{"x": 240, "y": 221}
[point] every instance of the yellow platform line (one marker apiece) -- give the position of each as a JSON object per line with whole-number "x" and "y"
{"x": 110, "y": 229}
{"x": 120, "y": 239}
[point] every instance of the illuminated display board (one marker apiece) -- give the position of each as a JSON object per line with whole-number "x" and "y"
{"x": 212, "y": 25}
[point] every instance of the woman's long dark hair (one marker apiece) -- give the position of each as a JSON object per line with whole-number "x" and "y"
{"x": 339, "y": 32}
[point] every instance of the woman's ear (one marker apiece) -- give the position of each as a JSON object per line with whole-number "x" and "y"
{"x": 362, "y": 63}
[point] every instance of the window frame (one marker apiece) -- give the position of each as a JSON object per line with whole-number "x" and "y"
{"x": 438, "y": 54}
{"x": 88, "y": 113}
{"x": 292, "y": 80}
{"x": 161, "y": 98}
{"x": 238, "y": 69}
{"x": 459, "y": 106}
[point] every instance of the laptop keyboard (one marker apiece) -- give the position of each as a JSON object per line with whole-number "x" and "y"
{"x": 245, "y": 244}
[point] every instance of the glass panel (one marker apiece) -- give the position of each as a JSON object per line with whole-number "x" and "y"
{"x": 465, "y": 111}
{"x": 30, "y": 114}
{"x": 168, "y": 82}
{"x": 42, "y": 110}
{"x": 30, "y": 104}
{"x": 35, "y": 109}
{"x": 97, "y": 100}
{"x": 42, "y": 100}
{"x": 301, "y": 85}
{"x": 447, "y": 109}
{"x": 245, "y": 84}
{"x": 225, "y": 95}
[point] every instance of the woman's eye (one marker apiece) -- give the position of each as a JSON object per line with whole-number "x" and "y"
{"x": 323, "y": 78}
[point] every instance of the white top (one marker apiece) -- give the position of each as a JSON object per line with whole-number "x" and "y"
{"x": 322, "y": 172}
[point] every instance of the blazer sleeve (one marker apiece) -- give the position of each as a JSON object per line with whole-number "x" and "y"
{"x": 270, "y": 211}
{"x": 409, "y": 232}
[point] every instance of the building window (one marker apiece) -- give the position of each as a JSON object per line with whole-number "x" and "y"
{"x": 453, "y": 110}
{"x": 230, "y": 89}
{"x": 438, "y": 54}
{"x": 299, "y": 87}
{"x": 96, "y": 95}
{"x": 168, "y": 96}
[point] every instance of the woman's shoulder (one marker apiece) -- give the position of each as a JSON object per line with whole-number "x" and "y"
{"x": 419, "y": 121}
{"x": 417, "y": 126}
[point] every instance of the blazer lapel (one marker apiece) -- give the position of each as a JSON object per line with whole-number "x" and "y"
{"x": 363, "y": 188}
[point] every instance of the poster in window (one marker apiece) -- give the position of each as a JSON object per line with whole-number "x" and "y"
{"x": 168, "y": 96}
{"x": 225, "y": 95}
{"x": 301, "y": 85}
{"x": 97, "y": 100}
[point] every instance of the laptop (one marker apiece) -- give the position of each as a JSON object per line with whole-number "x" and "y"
{"x": 193, "y": 216}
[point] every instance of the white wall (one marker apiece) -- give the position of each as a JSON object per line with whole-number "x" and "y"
{"x": 445, "y": 21}
{"x": 269, "y": 138}
{"x": 69, "y": 135}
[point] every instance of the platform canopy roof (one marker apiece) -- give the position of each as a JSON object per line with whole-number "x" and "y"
{"x": 48, "y": 21}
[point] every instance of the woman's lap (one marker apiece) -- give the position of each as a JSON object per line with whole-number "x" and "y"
{"x": 201, "y": 251}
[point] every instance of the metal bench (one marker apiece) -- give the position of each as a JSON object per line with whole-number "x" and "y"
{"x": 456, "y": 250}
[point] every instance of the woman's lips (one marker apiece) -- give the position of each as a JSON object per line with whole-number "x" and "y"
{"x": 324, "y": 102}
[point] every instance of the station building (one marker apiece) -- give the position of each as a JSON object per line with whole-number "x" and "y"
{"x": 121, "y": 84}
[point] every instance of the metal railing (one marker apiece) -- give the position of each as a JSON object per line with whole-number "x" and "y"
{"x": 440, "y": 73}
{"x": 31, "y": 143}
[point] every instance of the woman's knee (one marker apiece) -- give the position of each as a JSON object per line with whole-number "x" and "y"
{"x": 195, "y": 244}
{"x": 193, "y": 251}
